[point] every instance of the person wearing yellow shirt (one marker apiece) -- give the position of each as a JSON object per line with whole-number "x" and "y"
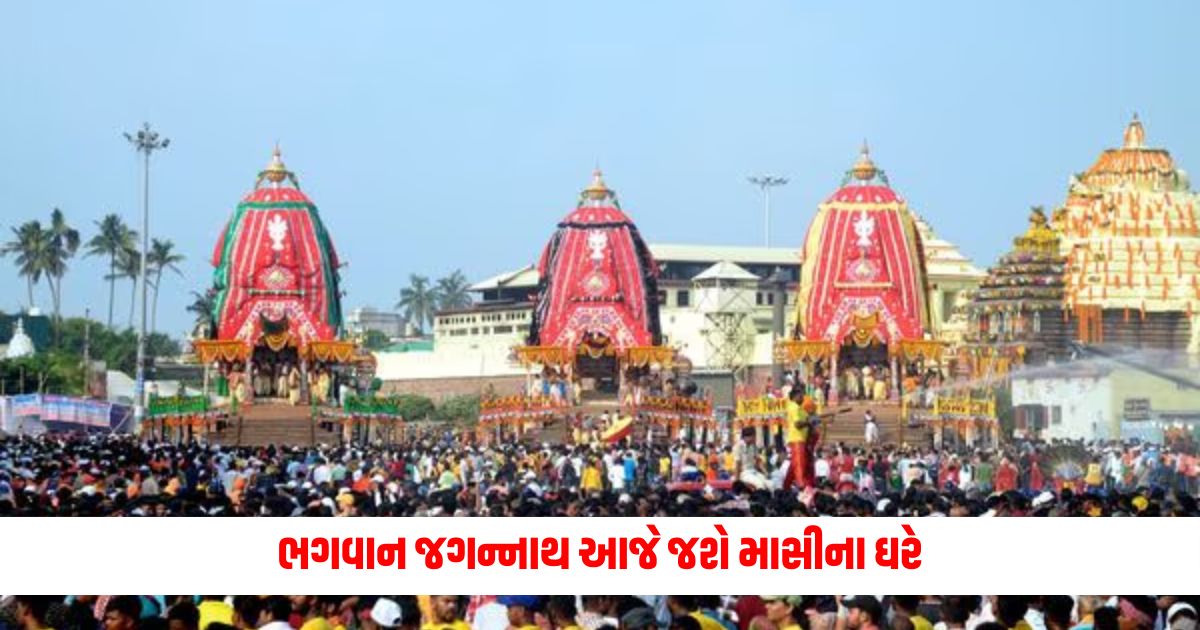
{"x": 687, "y": 605}
{"x": 446, "y": 613}
{"x": 592, "y": 479}
{"x": 522, "y": 610}
{"x": 213, "y": 608}
{"x": 783, "y": 610}
{"x": 797, "y": 438}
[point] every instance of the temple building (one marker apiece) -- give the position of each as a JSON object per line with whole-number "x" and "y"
{"x": 598, "y": 283}
{"x": 1016, "y": 316}
{"x": 951, "y": 278}
{"x": 276, "y": 283}
{"x": 596, "y": 305}
{"x": 864, "y": 291}
{"x": 1132, "y": 247}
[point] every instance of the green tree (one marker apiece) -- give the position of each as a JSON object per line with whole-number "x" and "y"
{"x": 29, "y": 246}
{"x": 45, "y": 372}
{"x": 162, "y": 256}
{"x": 117, "y": 348}
{"x": 63, "y": 243}
{"x": 375, "y": 340}
{"x": 129, "y": 263}
{"x": 414, "y": 407}
{"x": 452, "y": 291}
{"x": 112, "y": 238}
{"x": 202, "y": 307}
{"x": 457, "y": 408}
{"x": 418, "y": 301}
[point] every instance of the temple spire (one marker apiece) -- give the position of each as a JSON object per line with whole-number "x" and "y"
{"x": 276, "y": 171}
{"x": 1135, "y": 134}
{"x": 597, "y": 190}
{"x": 864, "y": 169}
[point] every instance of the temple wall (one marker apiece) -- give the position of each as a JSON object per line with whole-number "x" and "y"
{"x": 440, "y": 388}
{"x": 1129, "y": 328}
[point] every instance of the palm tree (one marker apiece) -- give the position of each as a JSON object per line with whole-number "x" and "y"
{"x": 161, "y": 256}
{"x": 63, "y": 243}
{"x": 29, "y": 246}
{"x": 418, "y": 300}
{"x": 452, "y": 291}
{"x": 202, "y": 306}
{"x": 113, "y": 238}
{"x": 129, "y": 263}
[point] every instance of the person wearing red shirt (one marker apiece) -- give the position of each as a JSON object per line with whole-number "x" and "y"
{"x": 1006, "y": 476}
{"x": 1036, "y": 478}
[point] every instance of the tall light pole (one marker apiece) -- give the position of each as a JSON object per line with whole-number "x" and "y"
{"x": 145, "y": 142}
{"x": 766, "y": 183}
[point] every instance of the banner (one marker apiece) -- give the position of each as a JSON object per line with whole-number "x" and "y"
{"x": 27, "y": 405}
{"x": 50, "y": 408}
{"x": 548, "y": 556}
{"x": 88, "y": 413}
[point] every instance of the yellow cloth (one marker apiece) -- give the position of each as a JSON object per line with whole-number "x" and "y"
{"x": 591, "y": 480}
{"x": 795, "y": 414}
{"x": 215, "y": 611}
{"x": 920, "y": 623}
{"x": 316, "y": 623}
{"x": 457, "y": 624}
{"x": 706, "y": 622}
{"x": 1093, "y": 477}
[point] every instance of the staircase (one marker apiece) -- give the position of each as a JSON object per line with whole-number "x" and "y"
{"x": 274, "y": 423}
{"x": 848, "y": 426}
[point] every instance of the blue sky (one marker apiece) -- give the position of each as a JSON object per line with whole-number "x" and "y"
{"x": 445, "y": 135}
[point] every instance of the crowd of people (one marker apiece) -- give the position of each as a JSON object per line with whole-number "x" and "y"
{"x": 600, "y": 612}
{"x": 440, "y": 475}
{"x": 560, "y": 386}
{"x": 868, "y": 383}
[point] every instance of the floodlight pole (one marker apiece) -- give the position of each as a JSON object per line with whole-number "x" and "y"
{"x": 145, "y": 141}
{"x": 766, "y": 183}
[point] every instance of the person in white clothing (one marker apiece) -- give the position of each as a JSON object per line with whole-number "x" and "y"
{"x": 871, "y": 430}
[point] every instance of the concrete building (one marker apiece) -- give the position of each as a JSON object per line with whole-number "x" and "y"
{"x": 365, "y": 318}
{"x": 1104, "y": 400}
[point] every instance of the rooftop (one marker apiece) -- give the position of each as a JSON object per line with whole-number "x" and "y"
{"x": 726, "y": 270}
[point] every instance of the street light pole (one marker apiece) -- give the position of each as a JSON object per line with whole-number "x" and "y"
{"x": 766, "y": 183}
{"x": 145, "y": 142}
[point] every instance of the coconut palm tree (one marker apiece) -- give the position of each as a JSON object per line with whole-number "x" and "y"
{"x": 418, "y": 300}
{"x": 63, "y": 243}
{"x": 202, "y": 306}
{"x": 112, "y": 238}
{"x": 452, "y": 291}
{"x": 29, "y": 245}
{"x": 129, "y": 263}
{"x": 162, "y": 255}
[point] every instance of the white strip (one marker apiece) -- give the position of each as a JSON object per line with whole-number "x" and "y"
{"x": 241, "y": 555}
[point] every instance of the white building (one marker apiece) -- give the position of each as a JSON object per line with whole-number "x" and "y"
{"x": 1098, "y": 399}
{"x": 365, "y": 318}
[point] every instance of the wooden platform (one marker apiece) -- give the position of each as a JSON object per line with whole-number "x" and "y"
{"x": 275, "y": 423}
{"x": 849, "y": 427}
